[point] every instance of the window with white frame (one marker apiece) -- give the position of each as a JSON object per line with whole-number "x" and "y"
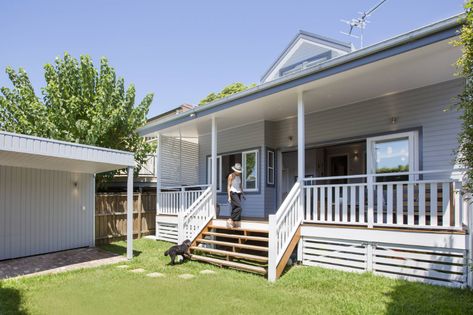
{"x": 250, "y": 170}
{"x": 219, "y": 172}
{"x": 270, "y": 168}
{"x": 393, "y": 153}
{"x": 249, "y": 162}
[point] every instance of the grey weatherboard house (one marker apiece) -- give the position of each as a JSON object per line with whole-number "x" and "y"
{"x": 339, "y": 147}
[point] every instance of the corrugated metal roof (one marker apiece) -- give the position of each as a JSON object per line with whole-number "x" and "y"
{"x": 34, "y": 152}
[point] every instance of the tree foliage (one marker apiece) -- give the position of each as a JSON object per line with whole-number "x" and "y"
{"x": 79, "y": 103}
{"x": 465, "y": 99}
{"x": 226, "y": 91}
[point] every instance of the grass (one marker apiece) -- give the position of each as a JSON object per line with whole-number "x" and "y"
{"x": 302, "y": 290}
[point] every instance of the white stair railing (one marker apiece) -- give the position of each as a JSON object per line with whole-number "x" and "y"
{"x": 196, "y": 217}
{"x": 282, "y": 227}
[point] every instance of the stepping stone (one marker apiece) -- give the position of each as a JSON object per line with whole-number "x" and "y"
{"x": 186, "y": 276}
{"x": 122, "y": 267}
{"x": 139, "y": 270}
{"x": 155, "y": 275}
{"x": 207, "y": 272}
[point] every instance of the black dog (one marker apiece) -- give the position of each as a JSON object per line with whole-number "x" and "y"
{"x": 182, "y": 250}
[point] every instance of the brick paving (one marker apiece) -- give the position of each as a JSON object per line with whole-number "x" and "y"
{"x": 57, "y": 262}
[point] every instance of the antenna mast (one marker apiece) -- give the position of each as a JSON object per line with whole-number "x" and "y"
{"x": 360, "y": 22}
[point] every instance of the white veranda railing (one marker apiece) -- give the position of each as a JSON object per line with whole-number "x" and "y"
{"x": 196, "y": 217}
{"x": 173, "y": 200}
{"x": 414, "y": 200}
{"x": 282, "y": 227}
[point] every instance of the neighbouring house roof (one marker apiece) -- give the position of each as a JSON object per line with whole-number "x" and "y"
{"x": 314, "y": 43}
{"x": 175, "y": 111}
{"x": 424, "y": 36}
{"x": 33, "y": 152}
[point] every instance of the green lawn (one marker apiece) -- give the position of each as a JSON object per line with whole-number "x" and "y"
{"x": 302, "y": 290}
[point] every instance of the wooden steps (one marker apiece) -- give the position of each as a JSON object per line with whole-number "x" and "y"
{"x": 231, "y": 264}
{"x": 237, "y": 236}
{"x": 229, "y": 254}
{"x": 237, "y": 248}
{"x": 233, "y": 244}
{"x": 238, "y": 229}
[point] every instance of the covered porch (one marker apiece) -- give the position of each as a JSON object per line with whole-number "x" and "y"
{"x": 358, "y": 140}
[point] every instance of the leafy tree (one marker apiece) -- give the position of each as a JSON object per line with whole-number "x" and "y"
{"x": 465, "y": 99}
{"x": 226, "y": 91}
{"x": 79, "y": 103}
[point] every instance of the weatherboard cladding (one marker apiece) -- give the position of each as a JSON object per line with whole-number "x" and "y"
{"x": 423, "y": 108}
{"x": 236, "y": 140}
{"x": 43, "y": 211}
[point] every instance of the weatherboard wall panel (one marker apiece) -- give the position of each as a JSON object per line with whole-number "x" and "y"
{"x": 42, "y": 211}
{"x": 236, "y": 140}
{"x": 425, "y": 108}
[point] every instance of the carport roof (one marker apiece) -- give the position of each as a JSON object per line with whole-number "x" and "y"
{"x": 34, "y": 152}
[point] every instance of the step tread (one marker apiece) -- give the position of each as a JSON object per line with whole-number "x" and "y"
{"x": 232, "y": 264}
{"x": 238, "y": 229}
{"x": 232, "y": 254}
{"x": 251, "y": 238}
{"x": 229, "y": 244}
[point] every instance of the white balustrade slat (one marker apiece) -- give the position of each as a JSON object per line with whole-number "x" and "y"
{"x": 433, "y": 204}
{"x": 308, "y": 205}
{"x": 353, "y": 203}
{"x": 457, "y": 204}
{"x": 421, "y": 204}
{"x": 410, "y": 204}
{"x": 399, "y": 204}
{"x": 362, "y": 203}
{"x": 336, "y": 216}
{"x": 389, "y": 206}
{"x": 379, "y": 204}
{"x": 344, "y": 204}
{"x": 446, "y": 204}
{"x": 322, "y": 203}
{"x": 316, "y": 205}
{"x": 329, "y": 202}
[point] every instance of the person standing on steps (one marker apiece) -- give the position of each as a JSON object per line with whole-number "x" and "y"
{"x": 235, "y": 193}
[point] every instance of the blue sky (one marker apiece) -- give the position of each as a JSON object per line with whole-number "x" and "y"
{"x": 182, "y": 50}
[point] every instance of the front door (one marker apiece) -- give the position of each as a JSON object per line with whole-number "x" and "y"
{"x": 338, "y": 166}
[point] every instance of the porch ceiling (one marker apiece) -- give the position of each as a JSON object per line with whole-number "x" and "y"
{"x": 413, "y": 69}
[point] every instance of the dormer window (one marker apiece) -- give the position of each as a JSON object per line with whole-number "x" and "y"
{"x": 308, "y": 63}
{"x": 305, "y": 51}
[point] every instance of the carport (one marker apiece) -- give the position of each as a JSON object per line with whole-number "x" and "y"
{"x": 47, "y": 194}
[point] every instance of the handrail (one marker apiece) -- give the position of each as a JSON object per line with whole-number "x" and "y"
{"x": 185, "y": 187}
{"x": 282, "y": 228}
{"x": 308, "y": 179}
{"x": 196, "y": 217}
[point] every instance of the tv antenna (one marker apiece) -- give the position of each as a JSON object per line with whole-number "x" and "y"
{"x": 360, "y": 22}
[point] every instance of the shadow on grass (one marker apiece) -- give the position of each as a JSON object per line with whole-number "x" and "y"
{"x": 418, "y": 298}
{"x": 10, "y": 301}
{"x": 118, "y": 249}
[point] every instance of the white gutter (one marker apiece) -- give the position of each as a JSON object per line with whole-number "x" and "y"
{"x": 383, "y": 45}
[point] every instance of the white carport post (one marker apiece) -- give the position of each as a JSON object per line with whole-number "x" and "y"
{"x": 129, "y": 213}
{"x": 214, "y": 164}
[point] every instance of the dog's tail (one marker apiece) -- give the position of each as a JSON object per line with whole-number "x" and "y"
{"x": 166, "y": 253}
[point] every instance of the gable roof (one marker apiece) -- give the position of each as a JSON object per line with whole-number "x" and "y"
{"x": 423, "y": 36}
{"x": 311, "y": 37}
